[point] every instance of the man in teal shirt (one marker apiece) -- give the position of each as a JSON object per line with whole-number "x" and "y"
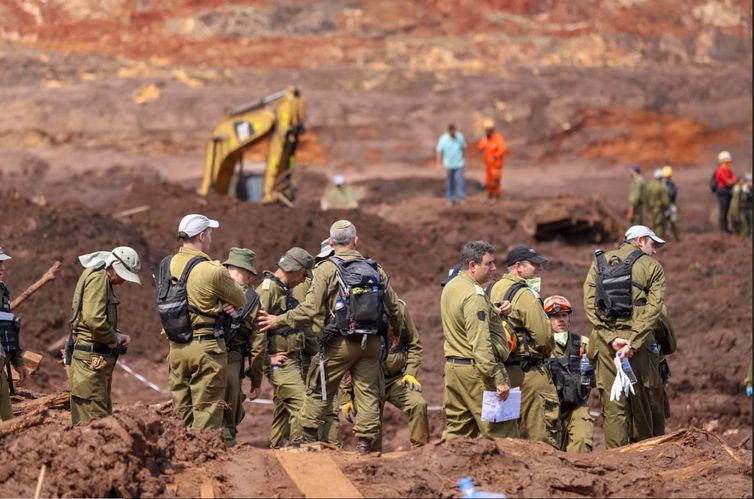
{"x": 451, "y": 149}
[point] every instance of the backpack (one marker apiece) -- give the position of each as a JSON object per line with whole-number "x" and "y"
{"x": 172, "y": 301}
{"x": 713, "y": 181}
{"x": 614, "y": 286}
{"x": 512, "y": 332}
{"x": 359, "y": 305}
{"x": 235, "y": 323}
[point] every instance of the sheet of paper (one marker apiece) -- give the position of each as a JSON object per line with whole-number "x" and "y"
{"x": 495, "y": 410}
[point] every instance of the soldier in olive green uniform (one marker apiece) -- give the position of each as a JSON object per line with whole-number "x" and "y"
{"x": 240, "y": 342}
{"x": 636, "y": 193}
{"x": 402, "y": 389}
{"x": 666, "y": 344}
{"x": 473, "y": 364}
{"x": 740, "y": 211}
{"x": 94, "y": 325}
{"x": 658, "y": 202}
{"x": 358, "y": 352}
{"x": 8, "y": 341}
{"x": 198, "y": 369}
{"x": 573, "y": 386}
{"x": 534, "y": 337}
{"x": 632, "y": 418}
{"x": 286, "y": 345}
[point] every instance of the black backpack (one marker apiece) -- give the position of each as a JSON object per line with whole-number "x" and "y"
{"x": 252, "y": 298}
{"x": 713, "y": 181}
{"x": 614, "y": 285}
{"x": 359, "y": 305}
{"x": 172, "y": 301}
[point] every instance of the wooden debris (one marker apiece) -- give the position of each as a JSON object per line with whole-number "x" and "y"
{"x": 48, "y": 276}
{"x": 32, "y": 361}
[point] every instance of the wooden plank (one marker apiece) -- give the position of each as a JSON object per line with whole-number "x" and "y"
{"x": 32, "y": 361}
{"x": 207, "y": 491}
{"x": 316, "y": 474}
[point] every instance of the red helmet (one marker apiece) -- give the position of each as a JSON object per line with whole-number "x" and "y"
{"x": 556, "y": 303}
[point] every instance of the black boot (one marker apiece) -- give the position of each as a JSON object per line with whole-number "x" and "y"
{"x": 364, "y": 446}
{"x": 310, "y": 435}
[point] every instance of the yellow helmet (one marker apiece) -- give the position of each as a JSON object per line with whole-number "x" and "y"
{"x": 667, "y": 171}
{"x": 488, "y": 124}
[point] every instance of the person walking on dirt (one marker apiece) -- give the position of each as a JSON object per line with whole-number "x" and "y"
{"x": 725, "y": 179}
{"x": 494, "y": 149}
{"x": 402, "y": 388}
{"x": 535, "y": 342}
{"x": 623, "y": 297}
{"x": 658, "y": 203}
{"x": 740, "y": 212}
{"x": 671, "y": 214}
{"x": 354, "y": 293}
{"x": 636, "y": 195}
{"x": 470, "y": 365}
{"x": 573, "y": 376}
{"x": 451, "y": 152}
{"x": 94, "y": 329}
{"x": 242, "y": 342}
{"x": 10, "y": 347}
{"x": 286, "y": 345}
{"x": 198, "y": 367}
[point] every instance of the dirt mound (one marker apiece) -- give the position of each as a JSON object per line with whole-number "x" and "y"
{"x": 132, "y": 453}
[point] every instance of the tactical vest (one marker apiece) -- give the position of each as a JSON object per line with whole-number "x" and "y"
{"x": 10, "y": 325}
{"x": 285, "y": 331}
{"x": 573, "y": 388}
{"x": 613, "y": 297}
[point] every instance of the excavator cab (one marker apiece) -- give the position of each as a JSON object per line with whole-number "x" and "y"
{"x": 246, "y": 126}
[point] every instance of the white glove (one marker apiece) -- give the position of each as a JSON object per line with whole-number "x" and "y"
{"x": 622, "y": 383}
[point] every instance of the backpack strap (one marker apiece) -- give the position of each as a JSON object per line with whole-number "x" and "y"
{"x": 252, "y": 298}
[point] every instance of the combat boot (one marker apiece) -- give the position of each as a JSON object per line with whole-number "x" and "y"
{"x": 310, "y": 435}
{"x": 364, "y": 446}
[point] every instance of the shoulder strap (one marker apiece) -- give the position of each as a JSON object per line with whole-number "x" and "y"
{"x": 513, "y": 290}
{"x": 165, "y": 276}
{"x": 575, "y": 343}
{"x": 488, "y": 289}
{"x": 599, "y": 257}
{"x": 251, "y": 299}
{"x": 190, "y": 266}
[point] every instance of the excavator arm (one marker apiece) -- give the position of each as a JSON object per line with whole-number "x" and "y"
{"x": 248, "y": 125}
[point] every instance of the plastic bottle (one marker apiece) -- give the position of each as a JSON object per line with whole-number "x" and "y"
{"x": 586, "y": 370}
{"x": 466, "y": 484}
{"x": 626, "y": 366}
{"x": 655, "y": 348}
{"x": 338, "y": 303}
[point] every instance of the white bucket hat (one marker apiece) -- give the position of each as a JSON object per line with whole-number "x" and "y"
{"x": 124, "y": 261}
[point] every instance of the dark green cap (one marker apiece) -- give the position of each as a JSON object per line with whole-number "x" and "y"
{"x": 296, "y": 259}
{"x": 242, "y": 258}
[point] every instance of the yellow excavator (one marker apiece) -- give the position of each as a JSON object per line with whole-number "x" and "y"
{"x": 242, "y": 128}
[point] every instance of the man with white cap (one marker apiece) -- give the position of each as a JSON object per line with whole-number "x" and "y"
{"x": 354, "y": 293}
{"x": 623, "y": 298}
{"x": 95, "y": 337}
{"x": 10, "y": 348}
{"x": 724, "y": 181}
{"x": 198, "y": 367}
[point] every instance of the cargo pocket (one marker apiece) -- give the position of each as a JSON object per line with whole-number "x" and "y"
{"x": 551, "y": 410}
{"x": 87, "y": 383}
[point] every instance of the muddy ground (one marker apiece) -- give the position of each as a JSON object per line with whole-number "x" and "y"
{"x": 578, "y": 92}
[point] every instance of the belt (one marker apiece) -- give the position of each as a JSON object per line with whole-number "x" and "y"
{"x": 100, "y": 349}
{"x": 460, "y": 361}
{"x": 204, "y": 337}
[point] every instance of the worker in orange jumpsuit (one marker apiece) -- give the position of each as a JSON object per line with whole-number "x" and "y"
{"x": 493, "y": 145}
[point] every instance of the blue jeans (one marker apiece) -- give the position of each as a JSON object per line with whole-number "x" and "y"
{"x": 456, "y": 184}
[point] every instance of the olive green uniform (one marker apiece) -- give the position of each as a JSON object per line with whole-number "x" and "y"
{"x": 403, "y": 359}
{"x": 240, "y": 348}
{"x": 636, "y": 194}
{"x": 740, "y": 211}
{"x": 198, "y": 369}
{"x": 16, "y": 359}
{"x": 288, "y": 378}
{"x": 94, "y": 326}
{"x": 576, "y": 423}
{"x": 342, "y": 354}
{"x": 472, "y": 366}
{"x": 539, "y": 398}
{"x": 666, "y": 341}
{"x": 658, "y": 202}
{"x": 631, "y": 418}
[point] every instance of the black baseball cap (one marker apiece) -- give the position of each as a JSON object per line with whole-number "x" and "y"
{"x": 452, "y": 272}
{"x": 524, "y": 253}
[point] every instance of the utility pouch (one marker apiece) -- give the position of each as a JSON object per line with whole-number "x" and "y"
{"x": 9, "y": 335}
{"x": 664, "y": 370}
{"x": 365, "y": 307}
{"x": 69, "y": 350}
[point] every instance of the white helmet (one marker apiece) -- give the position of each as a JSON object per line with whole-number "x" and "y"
{"x": 658, "y": 173}
{"x": 127, "y": 264}
{"x": 723, "y": 157}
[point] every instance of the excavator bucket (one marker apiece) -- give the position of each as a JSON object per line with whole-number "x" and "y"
{"x": 246, "y": 126}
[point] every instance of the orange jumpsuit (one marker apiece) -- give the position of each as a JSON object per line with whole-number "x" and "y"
{"x": 494, "y": 149}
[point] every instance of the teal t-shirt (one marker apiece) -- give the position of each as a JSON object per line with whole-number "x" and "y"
{"x": 452, "y": 149}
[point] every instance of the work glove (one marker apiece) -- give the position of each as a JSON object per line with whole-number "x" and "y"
{"x": 411, "y": 383}
{"x": 347, "y": 411}
{"x": 748, "y": 391}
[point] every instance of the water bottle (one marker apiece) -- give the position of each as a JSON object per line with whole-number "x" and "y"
{"x": 626, "y": 366}
{"x": 338, "y": 303}
{"x": 655, "y": 348}
{"x": 586, "y": 370}
{"x": 466, "y": 484}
